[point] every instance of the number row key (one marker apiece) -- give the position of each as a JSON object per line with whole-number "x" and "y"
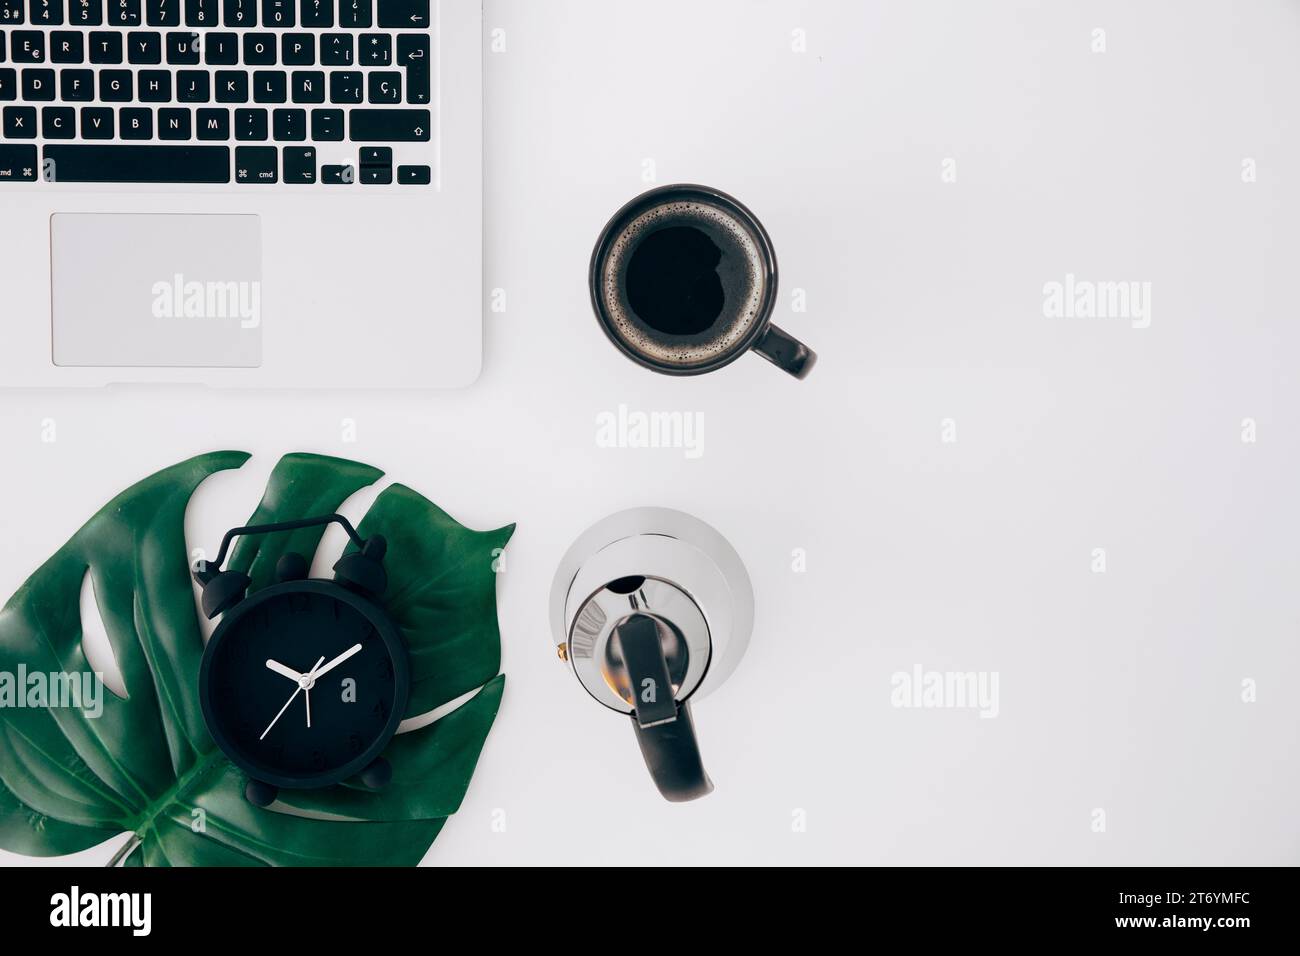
{"x": 276, "y": 14}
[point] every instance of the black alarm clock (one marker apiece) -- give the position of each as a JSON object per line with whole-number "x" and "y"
{"x": 304, "y": 682}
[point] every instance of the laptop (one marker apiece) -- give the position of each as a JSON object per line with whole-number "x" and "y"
{"x": 242, "y": 193}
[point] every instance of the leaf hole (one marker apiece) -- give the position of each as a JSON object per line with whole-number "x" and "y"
{"x": 335, "y": 540}
{"x": 94, "y": 639}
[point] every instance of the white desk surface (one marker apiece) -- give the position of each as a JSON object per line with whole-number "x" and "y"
{"x": 1120, "y": 691}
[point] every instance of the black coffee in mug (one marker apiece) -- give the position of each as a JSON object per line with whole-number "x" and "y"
{"x": 683, "y": 280}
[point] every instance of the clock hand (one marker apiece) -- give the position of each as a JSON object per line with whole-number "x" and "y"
{"x": 282, "y": 710}
{"x": 301, "y": 682}
{"x": 280, "y": 669}
{"x": 309, "y": 679}
{"x": 318, "y": 671}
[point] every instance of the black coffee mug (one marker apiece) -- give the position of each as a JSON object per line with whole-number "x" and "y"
{"x": 683, "y": 280}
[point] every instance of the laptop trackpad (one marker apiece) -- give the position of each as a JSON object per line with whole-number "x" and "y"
{"x": 156, "y": 291}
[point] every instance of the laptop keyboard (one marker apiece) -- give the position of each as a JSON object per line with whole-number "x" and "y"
{"x": 251, "y": 92}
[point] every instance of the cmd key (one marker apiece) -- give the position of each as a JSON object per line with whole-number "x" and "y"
{"x": 389, "y": 126}
{"x": 17, "y": 164}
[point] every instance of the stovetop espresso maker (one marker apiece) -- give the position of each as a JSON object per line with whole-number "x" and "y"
{"x": 652, "y": 608}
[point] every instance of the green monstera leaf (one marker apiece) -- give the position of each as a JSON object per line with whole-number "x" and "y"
{"x": 70, "y": 779}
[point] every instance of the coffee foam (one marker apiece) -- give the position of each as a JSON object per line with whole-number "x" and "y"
{"x": 736, "y": 321}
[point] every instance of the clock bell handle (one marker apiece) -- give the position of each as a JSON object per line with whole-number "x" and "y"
{"x": 222, "y": 590}
{"x": 211, "y": 568}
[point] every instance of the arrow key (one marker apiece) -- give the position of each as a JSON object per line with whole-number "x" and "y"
{"x": 414, "y": 175}
{"x": 376, "y": 165}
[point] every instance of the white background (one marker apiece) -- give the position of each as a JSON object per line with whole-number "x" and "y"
{"x": 1120, "y": 691}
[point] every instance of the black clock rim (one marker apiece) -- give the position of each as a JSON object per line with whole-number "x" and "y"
{"x": 388, "y": 633}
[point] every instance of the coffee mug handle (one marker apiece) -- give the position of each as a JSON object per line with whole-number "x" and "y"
{"x": 786, "y": 352}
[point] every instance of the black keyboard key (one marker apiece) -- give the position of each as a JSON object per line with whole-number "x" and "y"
{"x": 316, "y": 13}
{"x": 17, "y": 163}
{"x": 144, "y": 49}
{"x": 162, "y": 13}
{"x": 307, "y": 86}
{"x": 299, "y": 165}
{"x": 12, "y": 12}
{"x": 155, "y": 86}
{"x": 298, "y": 49}
{"x": 289, "y": 126}
{"x": 345, "y": 87}
{"x": 173, "y": 124}
{"x": 136, "y": 123}
{"x": 20, "y": 122}
{"x": 59, "y": 122}
{"x": 97, "y": 122}
{"x": 239, "y": 13}
{"x": 76, "y": 86}
{"x": 338, "y": 174}
{"x": 86, "y": 13}
{"x": 414, "y": 175}
{"x": 201, "y": 13}
{"x": 105, "y": 47}
{"x": 9, "y": 86}
{"x": 376, "y": 49}
{"x": 182, "y": 48}
{"x": 193, "y": 86}
{"x": 278, "y": 14}
{"x": 255, "y": 164}
{"x": 116, "y": 86}
{"x": 390, "y": 126}
{"x": 46, "y": 13}
{"x": 259, "y": 49}
{"x": 413, "y": 53}
{"x": 327, "y": 126}
{"x": 124, "y": 13}
{"x": 27, "y": 46}
{"x": 251, "y": 125}
{"x": 270, "y": 86}
{"x": 404, "y": 14}
{"x": 385, "y": 87}
{"x": 212, "y": 124}
{"x": 67, "y": 46}
{"x": 355, "y": 14}
{"x": 232, "y": 86}
{"x": 38, "y": 86}
{"x": 221, "y": 49}
{"x": 336, "y": 49}
{"x": 140, "y": 164}
{"x": 376, "y": 165}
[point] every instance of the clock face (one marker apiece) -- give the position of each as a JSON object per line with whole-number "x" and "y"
{"x": 304, "y": 683}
